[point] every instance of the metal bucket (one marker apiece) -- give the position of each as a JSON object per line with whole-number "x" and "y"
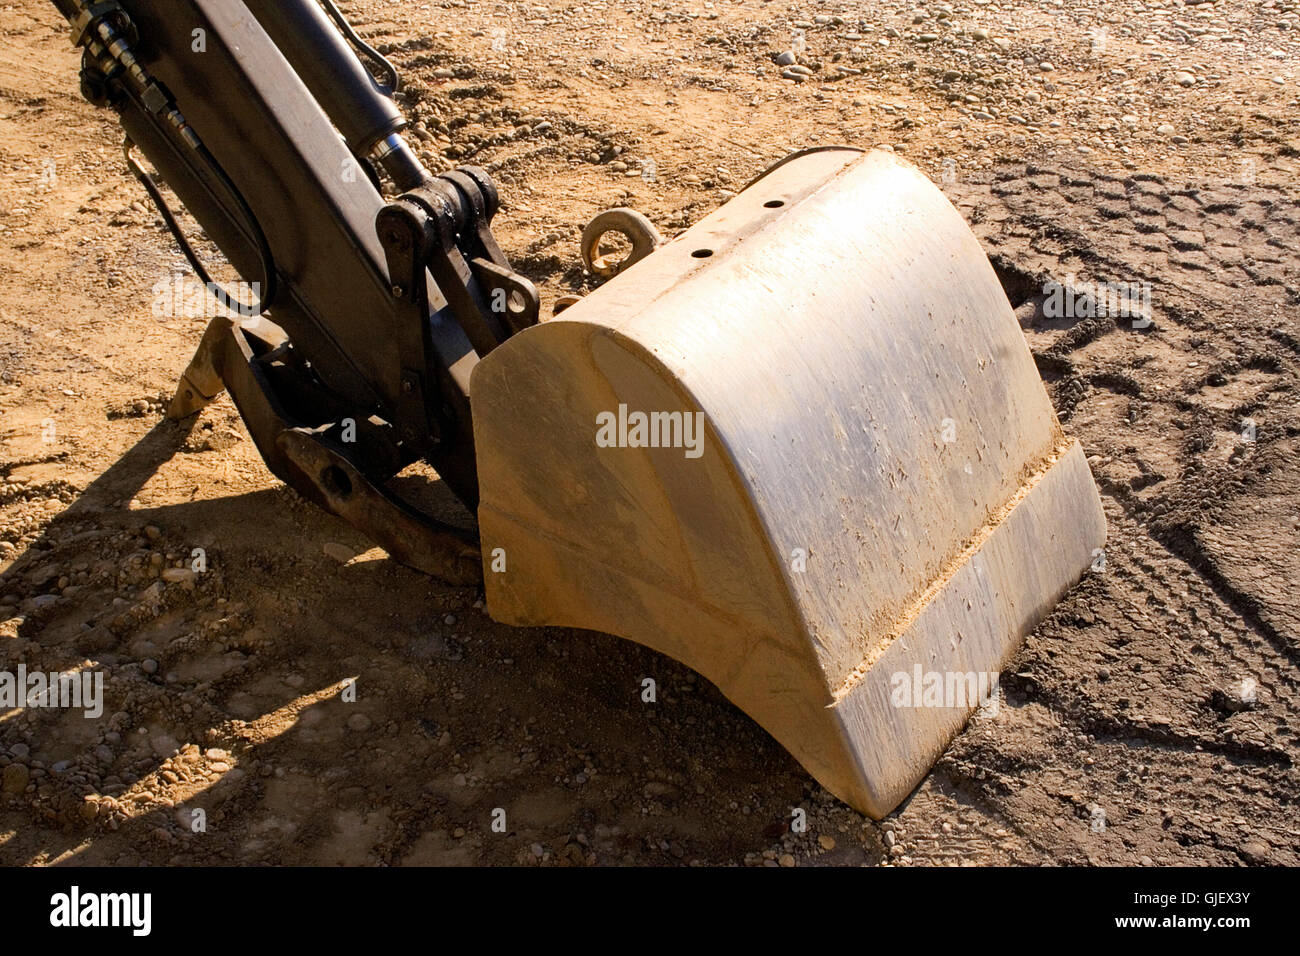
{"x": 802, "y": 448}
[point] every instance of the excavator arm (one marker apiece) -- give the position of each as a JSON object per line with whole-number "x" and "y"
{"x": 370, "y": 314}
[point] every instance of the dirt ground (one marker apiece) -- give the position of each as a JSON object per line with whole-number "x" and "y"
{"x": 1153, "y": 718}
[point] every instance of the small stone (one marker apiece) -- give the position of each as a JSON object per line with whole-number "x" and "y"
{"x": 826, "y": 841}
{"x": 1046, "y": 67}
{"x": 359, "y": 723}
{"x": 15, "y": 778}
{"x": 785, "y": 59}
{"x": 1256, "y": 851}
{"x": 178, "y": 575}
{"x": 787, "y": 860}
{"x": 339, "y": 552}
{"x": 449, "y": 620}
{"x": 152, "y": 532}
{"x": 1165, "y": 129}
{"x": 1183, "y": 78}
{"x": 149, "y": 666}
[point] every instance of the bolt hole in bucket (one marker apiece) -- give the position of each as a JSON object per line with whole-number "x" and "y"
{"x": 774, "y": 204}
{"x": 336, "y": 482}
{"x": 702, "y": 253}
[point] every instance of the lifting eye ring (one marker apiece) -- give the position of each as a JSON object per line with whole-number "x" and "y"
{"x": 639, "y": 230}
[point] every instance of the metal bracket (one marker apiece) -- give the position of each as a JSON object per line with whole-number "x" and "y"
{"x": 241, "y": 357}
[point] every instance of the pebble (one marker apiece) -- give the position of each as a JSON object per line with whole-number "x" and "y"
{"x": 826, "y": 841}
{"x": 1257, "y": 852}
{"x": 339, "y": 552}
{"x": 359, "y": 723}
{"x": 15, "y": 779}
{"x": 149, "y": 666}
{"x": 785, "y": 59}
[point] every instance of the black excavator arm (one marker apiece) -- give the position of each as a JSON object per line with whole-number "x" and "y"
{"x": 369, "y": 314}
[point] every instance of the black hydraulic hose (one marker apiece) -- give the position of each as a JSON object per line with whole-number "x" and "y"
{"x": 267, "y": 290}
{"x": 381, "y": 61}
{"x": 100, "y": 29}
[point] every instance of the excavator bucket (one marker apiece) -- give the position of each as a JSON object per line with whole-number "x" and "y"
{"x": 802, "y": 448}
